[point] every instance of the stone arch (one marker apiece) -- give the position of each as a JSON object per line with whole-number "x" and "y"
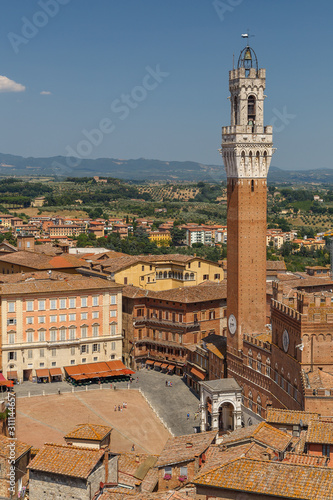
{"x": 220, "y": 405}
{"x": 226, "y": 411}
{"x": 321, "y": 338}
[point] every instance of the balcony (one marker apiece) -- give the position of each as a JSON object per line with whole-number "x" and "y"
{"x": 154, "y": 321}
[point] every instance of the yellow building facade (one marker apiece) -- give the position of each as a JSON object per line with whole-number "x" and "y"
{"x": 168, "y": 273}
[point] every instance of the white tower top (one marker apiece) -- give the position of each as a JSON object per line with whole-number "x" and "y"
{"x": 247, "y": 146}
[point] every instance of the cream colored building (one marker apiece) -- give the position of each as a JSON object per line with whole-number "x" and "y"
{"x": 157, "y": 272}
{"x": 52, "y": 320}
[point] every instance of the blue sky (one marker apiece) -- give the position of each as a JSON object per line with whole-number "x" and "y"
{"x": 78, "y": 60}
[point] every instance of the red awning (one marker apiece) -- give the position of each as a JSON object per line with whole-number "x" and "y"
{"x": 157, "y": 363}
{"x": 165, "y": 365}
{"x": 54, "y": 372}
{"x": 127, "y": 371}
{"x": 2, "y": 378}
{"x": 12, "y": 375}
{"x": 42, "y": 373}
{"x": 198, "y": 374}
{"x": 171, "y": 367}
{"x": 149, "y": 362}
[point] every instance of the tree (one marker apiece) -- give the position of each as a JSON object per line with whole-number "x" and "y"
{"x": 177, "y": 235}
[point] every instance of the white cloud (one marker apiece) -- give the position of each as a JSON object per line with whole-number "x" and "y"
{"x": 45, "y": 92}
{"x": 7, "y": 85}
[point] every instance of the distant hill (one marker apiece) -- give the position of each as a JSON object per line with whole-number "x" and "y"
{"x": 142, "y": 169}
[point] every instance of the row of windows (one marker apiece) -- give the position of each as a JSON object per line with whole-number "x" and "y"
{"x": 84, "y": 349}
{"x": 55, "y": 304}
{"x": 173, "y": 337}
{"x": 179, "y": 317}
{"x": 62, "y": 318}
{"x": 62, "y": 334}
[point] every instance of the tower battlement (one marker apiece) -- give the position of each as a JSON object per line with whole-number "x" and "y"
{"x": 237, "y": 74}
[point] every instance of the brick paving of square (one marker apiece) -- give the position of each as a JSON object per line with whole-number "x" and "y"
{"x": 43, "y": 419}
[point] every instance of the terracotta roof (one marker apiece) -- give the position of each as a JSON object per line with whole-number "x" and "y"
{"x": 90, "y": 432}
{"x": 39, "y": 261}
{"x": 185, "y": 448}
{"x": 20, "y": 447}
{"x": 66, "y": 460}
{"x": 275, "y": 265}
{"x": 217, "y": 455}
{"x": 305, "y": 459}
{"x": 278, "y": 479}
{"x": 40, "y": 282}
{"x": 261, "y": 433}
{"x": 134, "y": 467}
{"x": 320, "y": 432}
{"x": 186, "y": 294}
{"x": 289, "y": 417}
{"x": 212, "y": 348}
{"x": 114, "y": 264}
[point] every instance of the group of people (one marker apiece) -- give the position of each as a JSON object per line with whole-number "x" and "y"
{"x": 120, "y": 407}
{"x": 168, "y": 383}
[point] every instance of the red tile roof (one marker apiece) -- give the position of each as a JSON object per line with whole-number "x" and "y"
{"x": 262, "y": 433}
{"x": 320, "y": 432}
{"x": 278, "y": 479}
{"x": 66, "y": 460}
{"x": 185, "y": 448}
{"x": 91, "y": 432}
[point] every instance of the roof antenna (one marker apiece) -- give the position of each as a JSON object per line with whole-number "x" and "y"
{"x": 233, "y": 60}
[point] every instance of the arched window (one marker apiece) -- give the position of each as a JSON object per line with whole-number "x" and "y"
{"x": 257, "y": 159}
{"x": 192, "y": 276}
{"x": 165, "y": 275}
{"x": 251, "y": 111}
{"x": 252, "y": 186}
{"x": 250, "y": 400}
{"x": 242, "y": 159}
{"x": 264, "y": 161}
{"x": 259, "y": 406}
{"x": 250, "y": 359}
{"x": 186, "y": 276}
{"x": 282, "y": 378}
{"x": 259, "y": 362}
{"x": 250, "y": 159}
{"x": 268, "y": 367}
{"x": 170, "y": 274}
{"x": 160, "y": 275}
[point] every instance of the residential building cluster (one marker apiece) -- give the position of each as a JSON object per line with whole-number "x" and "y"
{"x": 286, "y": 456}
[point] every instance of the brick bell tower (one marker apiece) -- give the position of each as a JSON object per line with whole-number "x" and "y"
{"x": 247, "y": 149}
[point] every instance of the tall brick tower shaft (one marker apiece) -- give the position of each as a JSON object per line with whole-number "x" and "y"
{"x": 246, "y": 150}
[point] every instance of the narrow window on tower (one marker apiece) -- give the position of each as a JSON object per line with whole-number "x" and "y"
{"x": 252, "y": 185}
{"x": 251, "y": 111}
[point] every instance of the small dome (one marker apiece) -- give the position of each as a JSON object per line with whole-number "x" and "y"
{"x": 248, "y": 59}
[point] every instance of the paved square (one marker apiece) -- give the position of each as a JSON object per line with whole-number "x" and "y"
{"x": 43, "y": 419}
